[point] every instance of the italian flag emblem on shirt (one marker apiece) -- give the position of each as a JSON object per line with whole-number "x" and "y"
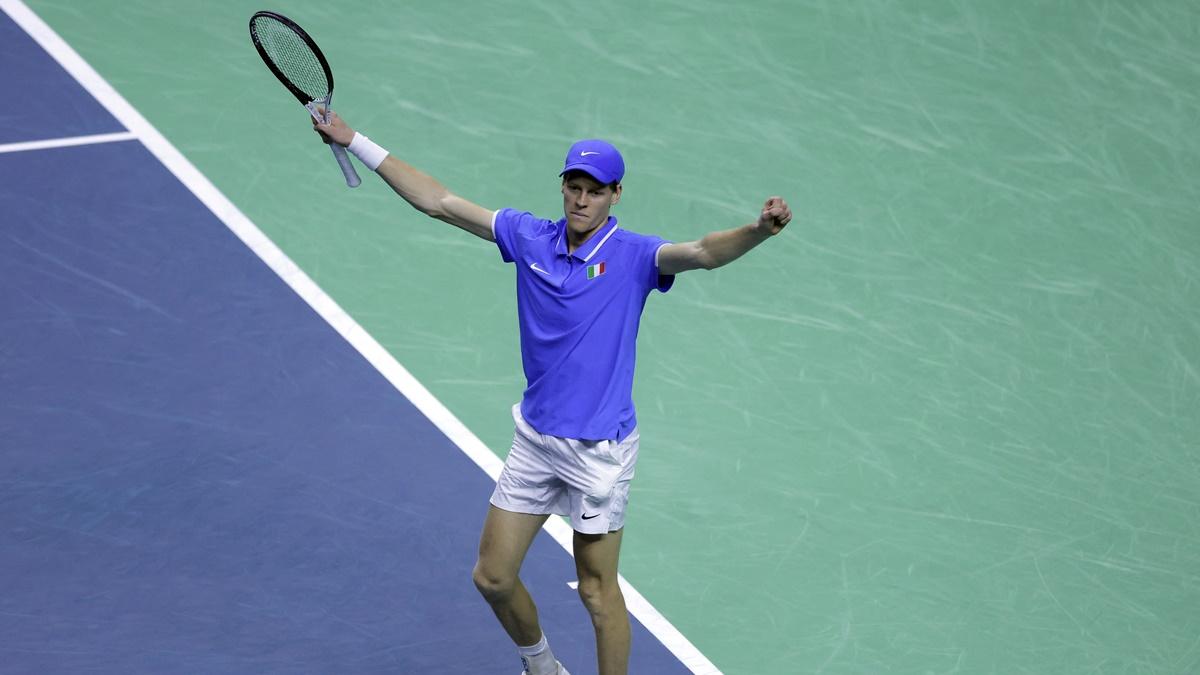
{"x": 596, "y": 270}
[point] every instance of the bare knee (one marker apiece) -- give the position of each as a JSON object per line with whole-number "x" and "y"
{"x": 494, "y": 587}
{"x": 601, "y": 597}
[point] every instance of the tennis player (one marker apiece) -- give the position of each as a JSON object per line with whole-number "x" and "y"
{"x": 582, "y": 282}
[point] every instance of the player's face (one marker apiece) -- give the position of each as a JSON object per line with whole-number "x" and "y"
{"x": 586, "y": 202}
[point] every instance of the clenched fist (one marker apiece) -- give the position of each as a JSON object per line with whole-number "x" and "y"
{"x": 775, "y": 216}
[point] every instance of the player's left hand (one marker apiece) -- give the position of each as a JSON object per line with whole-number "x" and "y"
{"x": 776, "y": 214}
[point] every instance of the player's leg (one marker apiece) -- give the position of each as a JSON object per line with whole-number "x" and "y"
{"x": 526, "y": 493}
{"x": 502, "y": 546}
{"x": 599, "y": 476}
{"x": 596, "y": 558}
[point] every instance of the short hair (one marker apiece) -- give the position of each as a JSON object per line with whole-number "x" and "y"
{"x": 574, "y": 173}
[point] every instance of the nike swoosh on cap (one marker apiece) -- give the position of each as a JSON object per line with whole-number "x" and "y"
{"x": 585, "y": 153}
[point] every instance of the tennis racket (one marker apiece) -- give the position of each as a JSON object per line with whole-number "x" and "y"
{"x": 296, "y": 60}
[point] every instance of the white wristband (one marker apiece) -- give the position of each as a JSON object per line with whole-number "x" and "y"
{"x": 367, "y": 151}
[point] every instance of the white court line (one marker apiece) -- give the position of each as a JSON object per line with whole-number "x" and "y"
{"x": 325, "y": 306}
{"x": 68, "y": 142}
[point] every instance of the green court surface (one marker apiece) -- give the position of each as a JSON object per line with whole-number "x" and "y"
{"x": 947, "y": 422}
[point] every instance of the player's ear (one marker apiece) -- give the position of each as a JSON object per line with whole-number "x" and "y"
{"x": 616, "y": 196}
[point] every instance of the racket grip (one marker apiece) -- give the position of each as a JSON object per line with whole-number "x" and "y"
{"x": 343, "y": 160}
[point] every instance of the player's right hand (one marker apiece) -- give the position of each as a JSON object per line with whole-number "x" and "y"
{"x": 337, "y": 131}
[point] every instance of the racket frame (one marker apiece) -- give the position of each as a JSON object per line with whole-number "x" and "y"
{"x": 314, "y": 105}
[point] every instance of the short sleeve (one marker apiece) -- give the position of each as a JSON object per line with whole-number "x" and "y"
{"x": 512, "y": 229}
{"x": 655, "y": 281}
{"x": 504, "y": 226}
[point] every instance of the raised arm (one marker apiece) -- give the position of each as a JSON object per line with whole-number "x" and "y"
{"x": 720, "y": 248}
{"x": 421, "y": 190}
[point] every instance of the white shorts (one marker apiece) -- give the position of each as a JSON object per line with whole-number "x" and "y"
{"x": 586, "y": 480}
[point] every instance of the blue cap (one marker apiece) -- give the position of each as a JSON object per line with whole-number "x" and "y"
{"x": 596, "y": 158}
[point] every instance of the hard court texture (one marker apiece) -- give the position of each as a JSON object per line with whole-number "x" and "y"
{"x": 947, "y": 422}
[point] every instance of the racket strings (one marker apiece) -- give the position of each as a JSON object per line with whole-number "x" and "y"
{"x": 292, "y": 56}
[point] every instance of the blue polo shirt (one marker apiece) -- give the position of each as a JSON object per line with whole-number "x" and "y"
{"x": 579, "y": 314}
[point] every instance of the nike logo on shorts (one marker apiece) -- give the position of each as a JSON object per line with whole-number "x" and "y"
{"x": 587, "y": 517}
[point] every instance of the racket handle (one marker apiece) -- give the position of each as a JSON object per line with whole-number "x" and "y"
{"x": 343, "y": 160}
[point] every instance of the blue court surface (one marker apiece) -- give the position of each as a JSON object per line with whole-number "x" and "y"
{"x": 200, "y": 474}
